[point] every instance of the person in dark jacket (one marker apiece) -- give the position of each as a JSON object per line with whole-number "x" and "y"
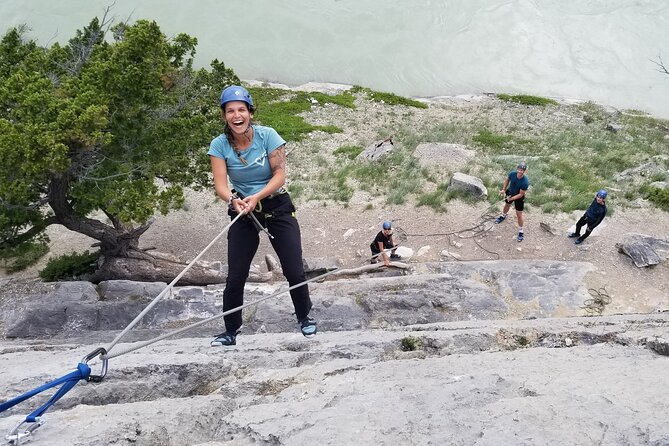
{"x": 592, "y": 217}
{"x": 383, "y": 242}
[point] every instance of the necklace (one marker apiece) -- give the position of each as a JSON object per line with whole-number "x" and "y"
{"x": 239, "y": 155}
{"x": 239, "y": 152}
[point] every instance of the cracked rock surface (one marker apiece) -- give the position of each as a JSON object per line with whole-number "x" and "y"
{"x": 578, "y": 380}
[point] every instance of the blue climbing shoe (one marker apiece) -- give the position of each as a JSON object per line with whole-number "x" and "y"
{"x": 521, "y": 236}
{"x": 308, "y": 327}
{"x": 226, "y": 338}
{"x": 500, "y": 219}
{"x": 573, "y": 234}
{"x": 578, "y": 241}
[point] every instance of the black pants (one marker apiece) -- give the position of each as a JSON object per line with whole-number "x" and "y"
{"x": 375, "y": 248}
{"x": 243, "y": 240}
{"x": 579, "y": 224}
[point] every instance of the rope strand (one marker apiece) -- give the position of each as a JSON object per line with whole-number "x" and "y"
{"x": 169, "y": 287}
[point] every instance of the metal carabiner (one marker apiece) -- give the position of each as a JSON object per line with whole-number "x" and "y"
{"x": 14, "y": 436}
{"x": 102, "y": 353}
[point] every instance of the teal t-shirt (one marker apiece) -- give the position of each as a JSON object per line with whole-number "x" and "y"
{"x": 516, "y": 184}
{"x": 249, "y": 178}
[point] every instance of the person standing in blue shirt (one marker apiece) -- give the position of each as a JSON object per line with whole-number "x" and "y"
{"x": 514, "y": 189}
{"x": 253, "y": 158}
{"x": 592, "y": 218}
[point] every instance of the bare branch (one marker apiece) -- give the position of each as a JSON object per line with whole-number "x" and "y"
{"x": 662, "y": 68}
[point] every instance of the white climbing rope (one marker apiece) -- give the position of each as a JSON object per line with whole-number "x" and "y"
{"x": 169, "y": 287}
{"x": 139, "y": 345}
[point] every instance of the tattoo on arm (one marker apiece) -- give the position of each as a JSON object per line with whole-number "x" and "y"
{"x": 278, "y": 159}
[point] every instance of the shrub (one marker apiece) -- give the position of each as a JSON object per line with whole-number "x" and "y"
{"x": 527, "y": 99}
{"x": 660, "y": 197}
{"x": 388, "y": 98}
{"x": 69, "y": 266}
{"x": 410, "y": 344}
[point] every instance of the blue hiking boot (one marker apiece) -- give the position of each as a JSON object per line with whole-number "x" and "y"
{"x": 224, "y": 339}
{"x": 521, "y": 236}
{"x": 308, "y": 327}
{"x": 500, "y": 219}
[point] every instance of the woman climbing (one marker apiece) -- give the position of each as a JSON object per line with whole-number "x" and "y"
{"x": 253, "y": 158}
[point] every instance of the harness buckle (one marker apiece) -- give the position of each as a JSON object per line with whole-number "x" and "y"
{"x": 102, "y": 353}
{"x": 14, "y": 436}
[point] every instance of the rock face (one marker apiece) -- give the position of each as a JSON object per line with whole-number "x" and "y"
{"x": 469, "y": 382}
{"x": 447, "y": 291}
{"x": 420, "y": 358}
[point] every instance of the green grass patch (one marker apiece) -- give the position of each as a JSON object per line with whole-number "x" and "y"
{"x": 280, "y": 109}
{"x": 527, "y": 99}
{"x": 388, "y": 98}
{"x": 436, "y": 200}
{"x": 350, "y": 152}
{"x": 488, "y": 139}
{"x": 296, "y": 190}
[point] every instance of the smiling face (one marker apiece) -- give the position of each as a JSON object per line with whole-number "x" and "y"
{"x": 237, "y": 116}
{"x": 520, "y": 173}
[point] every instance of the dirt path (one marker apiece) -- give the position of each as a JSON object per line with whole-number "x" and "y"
{"x": 345, "y": 232}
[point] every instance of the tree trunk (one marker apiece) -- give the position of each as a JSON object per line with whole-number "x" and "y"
{"x": 121, "y": 257}
{"x": 146, "y": 268}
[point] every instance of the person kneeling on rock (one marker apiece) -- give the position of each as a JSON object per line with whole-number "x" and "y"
{"x": 383, "y": 242}
{"x": 592, "y": 217}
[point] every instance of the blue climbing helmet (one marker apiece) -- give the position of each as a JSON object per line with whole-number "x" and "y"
{"x": 236, "y": 93}
{"x": 387, "y": 225}
{"x": 602, "y": 194}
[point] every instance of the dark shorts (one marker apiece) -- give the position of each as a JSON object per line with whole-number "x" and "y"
{"x": 519, "y": 204}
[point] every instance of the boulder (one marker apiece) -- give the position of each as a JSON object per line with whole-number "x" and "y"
{"x": 644, "y": 250}
{"x": 469, "y": 184}
{"x": 377, "y": 150}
